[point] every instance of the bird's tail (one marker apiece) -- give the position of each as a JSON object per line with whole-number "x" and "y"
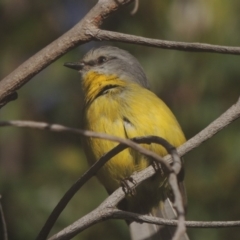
{"x": 146, "y": 231}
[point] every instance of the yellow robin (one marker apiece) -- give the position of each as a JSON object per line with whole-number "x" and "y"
{"x": 117, "y": 101}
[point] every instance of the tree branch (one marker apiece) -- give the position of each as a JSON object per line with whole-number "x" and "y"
{"x": 216, "y": 126}
{"x": 87, "y": 175}
{"x": 119, "y": 214}
{"x": 106, "y": 211}
{"x": 74, "y": 37}
{"x": 100, "y": 35}
{"x": 86, "y": 133}
{"x": 221, "y": 122}
{"x": 178, "y": 201}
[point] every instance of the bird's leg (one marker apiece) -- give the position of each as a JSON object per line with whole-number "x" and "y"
{"x": 126, "y": 188}
{"x": 158, "y": 167}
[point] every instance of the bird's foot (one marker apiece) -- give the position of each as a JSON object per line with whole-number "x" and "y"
{"x": 126, "y": 188}
{"x": 158, "y": 167}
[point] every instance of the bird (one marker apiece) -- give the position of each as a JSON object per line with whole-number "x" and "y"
{"x": 118, "y": 101}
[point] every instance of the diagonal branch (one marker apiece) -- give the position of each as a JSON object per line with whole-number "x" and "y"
{"x": 74, "y": 37}
{"x": 213, "y": 128}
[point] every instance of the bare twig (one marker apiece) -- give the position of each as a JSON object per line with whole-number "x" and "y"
{"x": 216, "y": 126}
{"x": 136, "y": 5}
{"x": 101, "y": 35}
{"x": 86, "y": 133}
{"x": 119, "y": 214}
{"x": 173, "y": 181}
{"x": 4, "y": 225}
{"x": 224, "y": 120}
{"x": 106, "y": 211}
{"x": 178, "y": 201}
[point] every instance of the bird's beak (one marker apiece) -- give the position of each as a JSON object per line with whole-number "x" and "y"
{"x": 75, "y": 65}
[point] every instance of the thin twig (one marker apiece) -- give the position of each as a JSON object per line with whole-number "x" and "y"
{"x": 136, "y": 5}
{"x": 106, "y": 211}
{"x": 173, "y": 181}
{"x": 119, "y": 214}
{"x": 104, "y": 35}
{"x": 86, "y": 133}
{"x": 178, "y": 201}
{"x": 232, "y": 114}
{"x": 4, "y": 225}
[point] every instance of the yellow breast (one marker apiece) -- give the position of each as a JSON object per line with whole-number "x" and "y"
{"x": 126, "y": 110}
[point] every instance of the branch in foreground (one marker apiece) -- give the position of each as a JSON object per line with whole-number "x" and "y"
{"x": 103, "y": 212}
{"x": 70, "y": 193}
{"x": 221, "y": 122}
{"x": 87, "y": 175}
{"x": 86, "y": 133}
{"x": 178, "y": 201}
{"x": 118, "y": 214}
{"x": 75, "y": 36}
{"x": 229, "y": 116}
{"x": 225, "y": 119}
{"x": 216, "y": 126}
{"x": 106, "y": 211}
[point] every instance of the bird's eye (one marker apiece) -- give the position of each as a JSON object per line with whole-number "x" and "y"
{"x": 101, "y": 60}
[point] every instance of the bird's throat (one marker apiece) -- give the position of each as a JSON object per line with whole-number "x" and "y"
{"x": 95, "y": 84}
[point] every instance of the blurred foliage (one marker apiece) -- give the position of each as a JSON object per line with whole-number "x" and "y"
{"x": 37, "y": 167}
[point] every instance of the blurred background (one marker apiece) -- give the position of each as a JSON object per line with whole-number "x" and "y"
{"x": 37, "y": 167}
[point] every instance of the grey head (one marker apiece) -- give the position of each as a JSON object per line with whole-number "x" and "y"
{"x": 112, "y": 60}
